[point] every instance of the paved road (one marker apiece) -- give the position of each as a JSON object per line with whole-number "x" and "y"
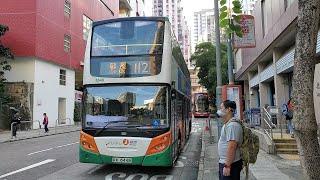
{"x": 56, "y": 157}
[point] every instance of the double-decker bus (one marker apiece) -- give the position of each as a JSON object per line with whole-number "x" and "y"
{"x": 201, "y": 104}
{"x": 137, "y": 94}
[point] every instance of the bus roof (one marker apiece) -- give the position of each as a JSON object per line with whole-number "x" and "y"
{"x": 96, "y": 23}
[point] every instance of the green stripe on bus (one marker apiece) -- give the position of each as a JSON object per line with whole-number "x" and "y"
{"x": 159, "y": 159}
{"x": 86, "y": 156}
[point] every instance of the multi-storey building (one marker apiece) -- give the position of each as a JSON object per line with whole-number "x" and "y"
{"x": 267, "y": 69}
{"x": 131, "y": 8}
{"x": 204, "y": 28}
{"x": 247, "y": 6}
{"x": 48, "y": 39}
{"x": 174, "y": 11}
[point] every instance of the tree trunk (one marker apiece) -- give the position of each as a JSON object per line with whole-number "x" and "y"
{"x": 303, "y": 79}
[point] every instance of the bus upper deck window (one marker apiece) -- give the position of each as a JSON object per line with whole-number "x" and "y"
{"x": 127, "y": 30}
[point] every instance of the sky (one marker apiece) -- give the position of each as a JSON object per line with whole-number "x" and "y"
{"x": 189, "y": 7}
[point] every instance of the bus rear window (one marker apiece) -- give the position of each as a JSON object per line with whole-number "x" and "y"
{"x": 128, "y": 38}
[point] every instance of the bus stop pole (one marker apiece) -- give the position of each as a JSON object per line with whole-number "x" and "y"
{"x": 218, "y": 64}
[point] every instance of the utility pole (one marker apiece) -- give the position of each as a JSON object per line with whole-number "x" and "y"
{"x": 218, "y": 63}
{"x": 230, "y": 66}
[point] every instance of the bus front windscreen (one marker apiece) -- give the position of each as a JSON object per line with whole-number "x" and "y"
{"x": 126, "y": 107}
{"x": 201, "y": 103}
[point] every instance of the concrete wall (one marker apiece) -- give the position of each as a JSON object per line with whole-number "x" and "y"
{"x": 47, "y": 91}
{"x": 264, "y": 142}
{"x": 22, "y": 70}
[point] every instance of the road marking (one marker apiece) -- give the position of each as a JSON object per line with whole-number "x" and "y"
{"x": 185, "y": 147}
{"x": 182, "y": 157}
{"x": 179, "y": 164}
{"x": 28, "y": 167}
{"x": 95, "y": 169}
{"x": 53, "y": 148}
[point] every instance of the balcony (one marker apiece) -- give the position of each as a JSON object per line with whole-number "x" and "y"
{"x": 125, "y": 4}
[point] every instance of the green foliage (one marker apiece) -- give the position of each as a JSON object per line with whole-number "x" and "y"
{"x": 204, "y": 58}
{"x": 228, "y": 16}
{"x": 5, "y": 55}
{"x": 77, "y": 112}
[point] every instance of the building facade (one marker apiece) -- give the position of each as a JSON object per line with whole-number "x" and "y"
{"x": 48, "y": 39}
{"x": 174, "y": 11}
{"x": 267, "y": 69}
{"x": 131, "y": 8}
{"x": 203, "y": 27}
{"x": 247, "y": 6}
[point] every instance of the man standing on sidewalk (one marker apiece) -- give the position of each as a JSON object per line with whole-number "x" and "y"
{"x": 15, "y": 119}
{"x": 230, "y": 163}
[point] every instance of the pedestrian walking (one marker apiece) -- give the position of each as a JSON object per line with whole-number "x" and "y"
{"x": 15, "y": 119}
{"x": 230, "y": 162}
{"x": 45, "y": 122}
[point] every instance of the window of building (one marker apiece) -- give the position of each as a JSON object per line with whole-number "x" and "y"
{"x": 63, "y": 77}
{"x": 67, "y": 43}
{"x": 87, "y": 23}
{"x": 287, "y": 3}
{"x": 67, "y": 8}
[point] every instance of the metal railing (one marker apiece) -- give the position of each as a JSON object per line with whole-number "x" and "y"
{"x": 25, "y": 123}
{"x": 268, "y": 125}
{"x": 277, "y": 116}
{"x": 57, "y": 123}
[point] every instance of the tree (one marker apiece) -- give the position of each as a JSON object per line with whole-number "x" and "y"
{"x": 227, "y": 17}
{"x": 303, "y": 81}
{"x": 5, "y": 55}
{"x": 204, "y": 58}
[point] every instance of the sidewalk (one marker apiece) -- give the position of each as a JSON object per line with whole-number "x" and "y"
{"x": 5, "y": 136}
{"x": 267, "y": 167}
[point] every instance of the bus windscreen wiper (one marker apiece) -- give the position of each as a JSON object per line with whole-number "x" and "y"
{"x": 104, "y": 127}
{"x": 142, "y": 130}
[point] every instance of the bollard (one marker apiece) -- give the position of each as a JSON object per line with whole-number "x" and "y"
{"x": 207, "y": 126}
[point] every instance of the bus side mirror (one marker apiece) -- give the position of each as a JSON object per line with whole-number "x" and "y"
{"x": 173, "y": 94}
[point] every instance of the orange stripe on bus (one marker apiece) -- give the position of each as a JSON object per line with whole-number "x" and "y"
{"x": 159, "y": 143}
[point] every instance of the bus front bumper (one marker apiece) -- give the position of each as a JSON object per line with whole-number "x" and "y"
{"x": 159, "y": 159}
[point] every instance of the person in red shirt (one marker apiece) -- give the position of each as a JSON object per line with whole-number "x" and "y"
{"x": 45, "y": 122}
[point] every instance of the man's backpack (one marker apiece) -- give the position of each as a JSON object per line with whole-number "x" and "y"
{"x": 249, "y": 148}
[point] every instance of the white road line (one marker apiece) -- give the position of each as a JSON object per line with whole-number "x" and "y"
{"x": 95, "y": 169}
{"x": 28, "y": 167}
{"x": 53, "y": 148}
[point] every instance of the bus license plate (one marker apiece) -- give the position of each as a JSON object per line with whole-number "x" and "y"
{"x": 122, "y": 160}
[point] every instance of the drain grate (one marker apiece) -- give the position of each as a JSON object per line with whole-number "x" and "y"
{"x": 191, "y": 163}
